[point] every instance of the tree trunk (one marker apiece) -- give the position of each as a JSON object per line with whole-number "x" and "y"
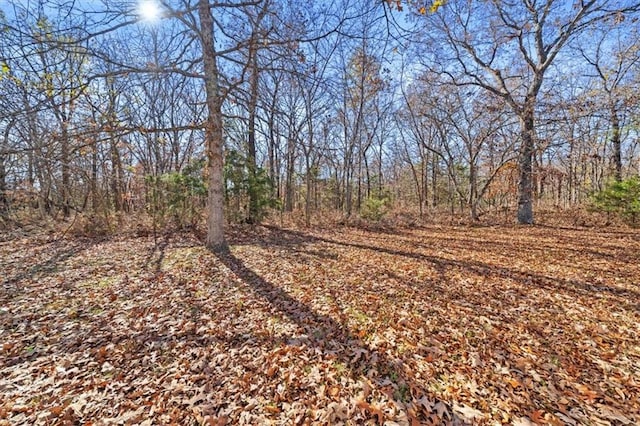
{"x": 418, "y": 181}
{"x": 289, "y": 183}
{"x": 213, "y": 132}
{"x": 66, "y": 172}
{"x": 380, "y": 176}
{"x": 307, "y": 204}
{"x": 275, "y": 180}
{"x": 251, "y": 140}
{"x": 94, "y": 178}
{"x": 572, "y": 172}
{"x": 310, "y": 166}
{"x": 338, "y": 189}
{"x": 525, "y": 186}
{"x": 348, "y": 190}
{"x": 4, "y": 200}
{"x": 434, "y": 181}
{"x": 617, "y": 144}
{"x": 359, "y": 199}
{"x": 424, "y": 179}
{"x": 473, "y": 191}
{"x": 115, "y": 180}
{"x": 367, "y": 175}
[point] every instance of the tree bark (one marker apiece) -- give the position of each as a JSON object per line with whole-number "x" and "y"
{"x": 94, "y": 178}
{"x": 213, "y": 132}
{"x": 525, "y": 186}
{"x": 473, "y": 190}
{"x": 116, "y": 168}
{"x": 310, "y": 166}
{"x": 251, "y": 140}
{"x": 617, "y": 144}
{"x": 4, "y": 200}
{"x": 289, "y": 192}
{"x": 307, "y": 204}
{"x": 272, "y": 149}
{"x": 66, "y": 172}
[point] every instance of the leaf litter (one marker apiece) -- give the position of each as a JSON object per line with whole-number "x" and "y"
{"x": 438, "y": 325}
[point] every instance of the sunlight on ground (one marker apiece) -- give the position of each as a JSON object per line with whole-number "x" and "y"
{"x": 438, "y": 325}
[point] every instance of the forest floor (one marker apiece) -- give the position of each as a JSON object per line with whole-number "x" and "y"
{"x": 436, "y": 325}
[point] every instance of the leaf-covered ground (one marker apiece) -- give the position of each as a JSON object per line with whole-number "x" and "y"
{"x": 437, "y": 325}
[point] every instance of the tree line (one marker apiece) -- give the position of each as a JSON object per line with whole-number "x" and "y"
{"x": 233, "y": 109}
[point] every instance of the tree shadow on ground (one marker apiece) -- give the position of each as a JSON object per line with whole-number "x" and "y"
{"x": 474, "y": 243}
{"x": 330, "y": 336}
{"x": 441, "y": 264}
{"x": 13, "y": 284}
{"x": 602, "y": 230}
{"x": 530, "y": 279}
{"x": 161, "y": 248}
{"x": 444, "y": 269}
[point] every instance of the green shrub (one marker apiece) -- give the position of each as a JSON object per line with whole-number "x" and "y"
{"x": 620, "y": 198}
{"x": 248, "y": 193}
{"x": 178, "y": 195}
{"x": 375, "y": 208}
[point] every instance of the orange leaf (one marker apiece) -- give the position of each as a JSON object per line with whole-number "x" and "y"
{"x": 413, "y": 418}
{"x": 587, "y": 394}
{"x": 513, "y": 382}
{"x": 375, "y": 412}
{"x": 272, "y": 370}
{"x": 57, "y": 410}
{"x": 538, "y": 417}
{"x": 334, "y": 391}
{"x": 216, "y": 421}
{"x": 271, "y": 409}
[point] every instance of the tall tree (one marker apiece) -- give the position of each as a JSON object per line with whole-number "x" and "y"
{"x": 213, "y": 130}
{"x": 507, "y": 48}
{"x": 613, "y": 58}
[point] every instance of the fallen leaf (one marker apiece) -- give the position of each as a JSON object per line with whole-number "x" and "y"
{"x": 468, "y": 413}
{"x": 587, "y": 394}
{"x": 371, "y": 410}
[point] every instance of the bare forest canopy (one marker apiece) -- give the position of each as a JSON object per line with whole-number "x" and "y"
{"x": 181, "y": 110}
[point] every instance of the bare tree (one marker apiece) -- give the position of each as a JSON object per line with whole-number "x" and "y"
{"x": 507, "y": 48}
{"x": 613, "y": 57}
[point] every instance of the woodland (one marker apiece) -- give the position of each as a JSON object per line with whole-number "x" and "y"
{"x": 337, "y": 212}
